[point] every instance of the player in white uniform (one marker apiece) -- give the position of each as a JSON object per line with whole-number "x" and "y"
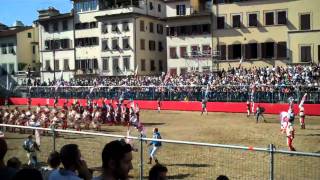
{"x": 290, "y": 134}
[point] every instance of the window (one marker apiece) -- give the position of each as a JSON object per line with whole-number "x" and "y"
{"x": 234, "y": 51}
{"x": 152, "y": 45}
{"x": 11, "y": 48}
{"x": 11, "y": 68}
{"x": 66, "y": 65}
{"x": 55, "y": 27}
{"x": 125, "y": 27}
{"x": 29, "y": 35}
{"x": 115, "y": 64}
{"x": 115, "y": 44}
{"x": 159, "y": 7}
{"x": 318, "y": 53}
{"x": 33, "y": 49}
{"x": 65, "y": 43}
{"x": 251, "y": 51}
{"x": 282, "y": 50}
{"x": 173, "y": 53}
{"x": 305, "y": 22}
{"x": 104, "y": 27}
{"x": 142, "y": 44}
{"x": 150, "y": 5}
{"x": 206, "y": 50}
{"x": 305, "y": 54}
{"x": 195, "y": 50}
{"x": 47, "y": 65}
{"x": 105, "y": 64}
{"x": 160, "y": 65}
{"x": 181, "y": 9}
{"x": 4, "y": 69}
{"x": 206, "y": 28}
{"x": 269, "y": 18}
{"x": 115, "y": 27}
{"x": 282, "y": 17}
{"x": 105, "y": 45}
{"x": 160, "y": 46}
{"x": 89, "y": 41}
{"x": 3, "y": 48}
{"x": 125, "y": 43}
{"x": 143, "y": 65}
{"x": 183, "y": 52}
{"x": 220, "y": 22}
{"x": 236, "y": 21}
{"x": 159, "y": 28}
{"x": 142, "y": 25}
{"x": 56, "y": 65}
{"x": 151, "y": 27}
{"x": 267, "y": 50}
{"x": 93, "y": 24}
{"x": 253, "y": 20}
{"x": 222, "y": 50}
{"x": 126, "y": 63}
{"x": 65, "y": 25}
{"x": 152, "y": 65}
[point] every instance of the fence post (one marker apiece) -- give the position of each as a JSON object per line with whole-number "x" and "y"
{"x": 141, "y": 157}
{"x": 54, "y": 138}
{"x": 271, "y": 151}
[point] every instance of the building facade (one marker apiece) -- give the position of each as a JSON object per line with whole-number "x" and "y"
{"x": 19, "y": 51}
{"x": 260, "y": 32}
{"x": 104, "y": 38}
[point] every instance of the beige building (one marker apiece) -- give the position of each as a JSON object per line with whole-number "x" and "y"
{"x": 266, "y": 32}
{"x": 19, "y": 50}
{"x": 261, "y": 32}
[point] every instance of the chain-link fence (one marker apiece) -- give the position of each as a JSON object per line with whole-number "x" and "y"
{"x": 184, "y": 160}
{"x": 174, "y": 93}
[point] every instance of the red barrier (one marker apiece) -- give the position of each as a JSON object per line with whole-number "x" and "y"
{"x": 310, "y": 109}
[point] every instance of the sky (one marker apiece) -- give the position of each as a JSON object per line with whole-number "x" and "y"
{"x": 27, "y": 10}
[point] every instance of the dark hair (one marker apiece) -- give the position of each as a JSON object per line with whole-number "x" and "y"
{"x": 28, "y": 173}
{"x": 14, "y": 162}
{"x": 3, "y": 148}
{"x": 156, "y": 170}
{"x": 114, "y": 150}
{"x": 69, "y": 155}
{"x": 54, "y": 159}
{"x": 222, "y": 177}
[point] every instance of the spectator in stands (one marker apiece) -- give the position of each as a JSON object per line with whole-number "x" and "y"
{"x": 70, "y": 156}
{"x": 158, "y": 172}
{"x": 116, "y": 161}
{"x": 14, "y": 163}
{"x": 28, "y": 173}
{"x": 53, "y": 162}
{"x": 6, "y": 173}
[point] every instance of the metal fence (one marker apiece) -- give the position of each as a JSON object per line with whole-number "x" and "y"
{"x": 173, "y": 93}
{"x": 184, "y": 160}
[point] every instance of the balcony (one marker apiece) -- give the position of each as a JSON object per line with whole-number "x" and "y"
{"x": 118, "y": 4}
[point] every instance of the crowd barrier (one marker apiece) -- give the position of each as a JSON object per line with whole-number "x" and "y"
{"x": 184, "y": 159}
{"x": 229, "y": 107}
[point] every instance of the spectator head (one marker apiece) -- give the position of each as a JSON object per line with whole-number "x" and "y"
{"x": 155, "y": 130}
{"x": 14, "y": 163}
{"x": 116, "y": 159}
{"x": 3, "y": 148}
{"x": 54, "y": 159}
{"x": 222, "y": 177}
{"x": 158, "y": 172}
{"x": 70, "y": 156}
{"x": 28, "y": 173}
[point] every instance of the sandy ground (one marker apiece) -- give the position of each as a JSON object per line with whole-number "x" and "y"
{"x": 195, "y": 162}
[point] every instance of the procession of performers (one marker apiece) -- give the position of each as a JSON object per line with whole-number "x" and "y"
{"x": 76, "y": 116}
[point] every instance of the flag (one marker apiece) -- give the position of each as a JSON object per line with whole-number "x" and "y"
{"x": 207, "y": 91}
{"x": 61, "y": 75}
{"x": 302, "y": 100}
{"x": 166, "y": 78}
{"x": 241, "y": 60}
{"x": 136, "y": 71}
{"x": 91, "y": 89}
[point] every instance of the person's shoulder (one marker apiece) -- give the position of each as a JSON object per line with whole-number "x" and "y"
{"x": 7, "y": 173}
{"x": 97, "y": 178}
